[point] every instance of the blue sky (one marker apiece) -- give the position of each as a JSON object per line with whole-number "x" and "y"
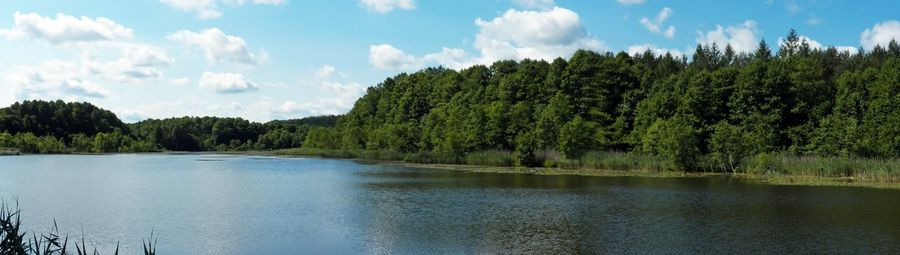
{"x": 277, "y": 59}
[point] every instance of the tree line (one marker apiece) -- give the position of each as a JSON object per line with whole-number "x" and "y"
{"x": 722, "y": 104}
{"x": 60, "y": 127}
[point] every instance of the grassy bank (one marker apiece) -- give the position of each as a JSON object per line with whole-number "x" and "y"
{"x": 9, "y": 151}
{"x": 764, "y": 168}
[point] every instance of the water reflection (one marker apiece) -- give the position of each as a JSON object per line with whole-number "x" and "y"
{"x": 455, "y": 212}
{"x": 226, "y": 204}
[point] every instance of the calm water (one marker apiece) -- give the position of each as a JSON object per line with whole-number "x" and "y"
{"x": 218, "y": 204}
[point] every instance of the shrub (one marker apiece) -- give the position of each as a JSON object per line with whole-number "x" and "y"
{"x": 674, "y": 140}
{"x": 576, "y": 137}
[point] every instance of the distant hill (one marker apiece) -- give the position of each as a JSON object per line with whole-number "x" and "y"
{"x": 57, "y": 126}
{"x": 58, "y": 118}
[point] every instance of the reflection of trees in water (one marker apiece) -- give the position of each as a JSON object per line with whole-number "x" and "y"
{"x": 458, "y": 212}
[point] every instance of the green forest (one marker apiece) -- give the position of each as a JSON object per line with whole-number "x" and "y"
{"x": 720, "y": 105}
{"x": 60, "y": 127}
{"x": 716, "y": 111}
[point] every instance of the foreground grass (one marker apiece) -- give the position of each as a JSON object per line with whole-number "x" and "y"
{"x": 778, "y": 169}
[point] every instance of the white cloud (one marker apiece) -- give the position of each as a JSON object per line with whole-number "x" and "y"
{"x": 219, "y": 46}
{"x": 385, "y": 6}
{"x": 631, "y": 2}
{"x": 180, "y": 81}
{"x": 851, "y": 49}
{"x": 451, "y": 58}
{"x": 814, "y": 20}
{"x": 557, "y": 32}
{"x": 205, "y": 9}
{"x": 515, "y": 35}
{"x": 325, "y": 72}
{"x": 209, "y": 9}
{"x": 54, "y": 79}
{"x": 641, "y": 48}
{"x": 65, "y": 28}
{"x": 83, "y": 88}
{"x": 535, "y": 4}
{"x": 227, "y": 83}
{"x": 136, "y": 62}
{"x": 656, "y": 25}
{"x": 880, "y": 34}
{"x": 792, "y": 6}
{"x": 742, "y": 38}
{"x": 816, "y": 45}
{"x": 339, "y": 97}
{"x": 388, "y": 57}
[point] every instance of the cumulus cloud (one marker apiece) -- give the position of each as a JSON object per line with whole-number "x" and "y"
{"x": 385, "y": 6}
{"x": 344, "y": 96}
{"x": 532, "y": 34}
{"x": 135, "y": 63}
{"x": 655, "y": 26}
{"x": 83, "y": 88}
{"x": 218, "y": 46}
{"x": 641, "y": 48}
{"x": 742, "y": 38}
{"x": 227, "y": 83}
{"x": 338, "y": 97}
{"x": 388, "y": 57}
{"x": 631, "y": 2}
{"x": 880, "y": 34}
{"x": 64, "y": 28}
{"x": 535, "y": 4}
{"x": 515, "y": 35}
{"x": 813, "y": 44}
{"x": 54, "y": 79}
{"x": 209, "y": 9}
{"x": 326, "y": 72}
{"x": 450, "y": 57}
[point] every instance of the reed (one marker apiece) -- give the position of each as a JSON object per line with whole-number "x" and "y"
{"x": 490, "y": 158}
{"x": 14, "y": 240}
{"x": 869, "y": 169}
{"x": 875, "y": 169}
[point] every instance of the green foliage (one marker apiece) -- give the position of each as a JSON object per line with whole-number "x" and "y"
{"x": 58, "y": 127}
{"x": 490, "y": 158}
{"x": 621, "y": 161}
{"x": 674, "y": 140}
{"x": 322, "y": 138}
{"x": 729, "y": 146}
{"x": 723, "y": 106}
{"x": 576, "y": 137}
{"x": 526, "y": 144}
{"x": 57, "y": 118}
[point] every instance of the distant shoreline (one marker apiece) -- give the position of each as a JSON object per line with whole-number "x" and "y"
{"x": 770, "y": 179}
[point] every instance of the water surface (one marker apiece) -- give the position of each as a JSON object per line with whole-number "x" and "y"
{"x": 225, "y": 204}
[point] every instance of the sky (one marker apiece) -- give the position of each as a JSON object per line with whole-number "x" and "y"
{"x": 280, "y": 59}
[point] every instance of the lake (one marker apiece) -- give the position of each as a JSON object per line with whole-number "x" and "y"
{"x": 237, "y": 204}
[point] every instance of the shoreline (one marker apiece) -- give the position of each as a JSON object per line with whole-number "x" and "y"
{"x": 765, "y": 179}
{"x": 762, "y": 179}
{"x": 789, "y": 180}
